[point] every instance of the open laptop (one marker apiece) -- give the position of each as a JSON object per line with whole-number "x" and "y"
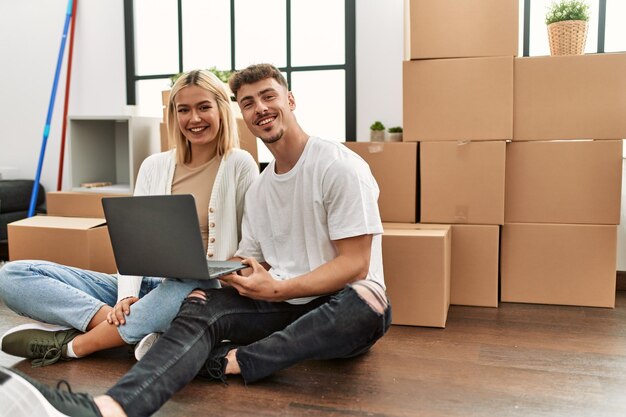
{"x": 159, "y": 236}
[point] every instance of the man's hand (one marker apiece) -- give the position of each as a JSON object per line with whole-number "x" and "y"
{"x": 118, "y": 315}
{"x": 259, "y": 285}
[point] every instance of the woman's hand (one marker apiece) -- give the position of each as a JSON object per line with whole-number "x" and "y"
{"x": 118, "y": 315}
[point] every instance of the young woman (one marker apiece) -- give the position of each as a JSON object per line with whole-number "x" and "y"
{"x": 86, "y": 311}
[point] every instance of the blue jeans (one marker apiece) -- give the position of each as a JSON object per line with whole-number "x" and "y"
{"x": 272, "y": 336}
{"x": 68, "y": 296}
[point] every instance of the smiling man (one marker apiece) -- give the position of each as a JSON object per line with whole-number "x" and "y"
{"x": 311, "y": 235}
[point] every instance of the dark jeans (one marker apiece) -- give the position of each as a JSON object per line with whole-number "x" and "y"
{"x": 273, "y": 336}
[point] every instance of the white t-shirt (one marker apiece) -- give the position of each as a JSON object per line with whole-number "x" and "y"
{"x": 291, "y": 219}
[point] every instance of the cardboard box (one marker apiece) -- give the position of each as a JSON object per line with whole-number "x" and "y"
{"x": 559, "y": 264}
{"x": 458, "y": 99}
{"x": 474, "y": 262}
{"x": 462, "y": 182}
{"x": 165, "y": 138}
{"x": 457, "y": 29}
{"x": 570, "y": 97}
{"x": 247, "y": 141}
{"x": 417, "y": 275}
{"x": 72, "y": 241}
{"x": 394, "y": 165}
{"x": 563, "y": 182}
{"x": 76, "y": 204}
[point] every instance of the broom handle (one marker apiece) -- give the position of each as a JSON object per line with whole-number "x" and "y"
{"x": 67, "y": 95}
{"x": 46, "y": 130}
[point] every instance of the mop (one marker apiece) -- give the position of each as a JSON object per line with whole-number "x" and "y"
{"x": 46, "y": 130}
{"x": 67, "y": 95}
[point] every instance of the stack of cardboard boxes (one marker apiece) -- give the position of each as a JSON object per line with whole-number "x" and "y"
{"x": 471, "y": 106}
{"x": 563, "y": 180}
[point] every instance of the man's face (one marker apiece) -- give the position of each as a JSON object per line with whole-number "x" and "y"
{"x": 267, "y": 108}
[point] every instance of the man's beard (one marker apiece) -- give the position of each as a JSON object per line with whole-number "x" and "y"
{"x": 274, "y": 138}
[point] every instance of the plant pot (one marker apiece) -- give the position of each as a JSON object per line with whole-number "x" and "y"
{"x": 567, "y": 37}
{"x": 377, "y": 135}
{"x": 394, "y": 137}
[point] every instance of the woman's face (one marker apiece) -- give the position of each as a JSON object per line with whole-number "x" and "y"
{"x": 198, "y": 115}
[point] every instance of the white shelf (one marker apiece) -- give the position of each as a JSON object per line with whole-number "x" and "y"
{"x": 109, "y": 149}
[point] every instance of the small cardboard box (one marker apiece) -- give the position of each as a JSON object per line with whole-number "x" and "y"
{"x": 417, "y": 275}
{"x": 165, "y": 138}
{"x": 559, "y": 264}
{"x": 457, "y": 29}
{"x": 474, "y": 263}
{"x": 563, "y": 182}
{"x": 570, "y": 97}
{"x": 247, "y": 141}
{"x": 72, "y": 241}
{"x": 394, "y": 165}
{"x": 76, "y": 204}
{"x": 458, "y": 99}
{"x": 462, "y": 182}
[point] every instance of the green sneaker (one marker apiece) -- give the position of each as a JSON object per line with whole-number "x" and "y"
{"x": 22, "y": 396}
{"x": 45, "y": 344}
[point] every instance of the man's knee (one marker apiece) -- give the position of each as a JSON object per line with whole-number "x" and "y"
{"x": 372, "y": 294}
{"x": 197, "y": 296}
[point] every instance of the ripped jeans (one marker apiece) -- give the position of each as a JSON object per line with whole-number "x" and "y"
{"x": 272, "y": 336}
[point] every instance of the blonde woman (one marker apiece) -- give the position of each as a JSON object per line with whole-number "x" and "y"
{"x": 86, "y": 311}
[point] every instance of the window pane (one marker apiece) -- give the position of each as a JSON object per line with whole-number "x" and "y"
{"x": 149, "y": 101}
{"x": 156, "y": 37}
{"x": 307, "y": 35}
{"x": 539, "y": 44}
{"x": 260, "y": 28}
{"x": 206, "y": 34}
{"x": 321, "y": 102}
{"x": 615, "y": 36}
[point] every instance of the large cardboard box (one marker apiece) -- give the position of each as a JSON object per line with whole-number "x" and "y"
{"x": 72, "y": 241}
{"x": 474, "y": 262}
{"x": 394, "y": 165}
{"x": 457, "y": 29}
{"x": 76, "y": 204}
{"x": 559, "y": 264}
{"x": 462, "y": 182}
{"x": 458, "y": 99}
{"x": 563, "y": 182}
{"x": 570, "y": 97}
{"x": 417, "y": 275}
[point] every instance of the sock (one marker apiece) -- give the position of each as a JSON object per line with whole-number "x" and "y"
{"x": 70, "y": 351}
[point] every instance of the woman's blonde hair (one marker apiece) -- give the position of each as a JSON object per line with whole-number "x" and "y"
{"x": 227, "y": 137}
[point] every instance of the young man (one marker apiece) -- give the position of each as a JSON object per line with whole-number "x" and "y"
{"x": 314, "y": 289}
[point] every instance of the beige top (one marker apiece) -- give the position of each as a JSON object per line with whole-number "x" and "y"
{"x": 198, "y": 181}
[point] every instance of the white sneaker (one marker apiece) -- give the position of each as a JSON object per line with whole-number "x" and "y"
{"x": 32, "y": 326}
{"x": 145, "y": 344}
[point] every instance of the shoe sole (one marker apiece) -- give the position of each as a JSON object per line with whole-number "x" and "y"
{"x": 19, "y": 398}
{"x": 145, "y": 345}
{"x": 32, "y": 326}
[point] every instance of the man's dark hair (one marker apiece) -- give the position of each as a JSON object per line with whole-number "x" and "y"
{"x": 255, "y": 73}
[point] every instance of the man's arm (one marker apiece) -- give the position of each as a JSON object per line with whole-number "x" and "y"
{"x": 351, "y": 264}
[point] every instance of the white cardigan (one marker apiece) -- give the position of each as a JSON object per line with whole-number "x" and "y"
{"x": 236, "y": 172}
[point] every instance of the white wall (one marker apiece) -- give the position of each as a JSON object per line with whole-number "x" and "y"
{"x": 30, "y": 38}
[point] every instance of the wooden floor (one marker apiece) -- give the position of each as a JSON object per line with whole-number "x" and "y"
{"x": 517, "y": 360}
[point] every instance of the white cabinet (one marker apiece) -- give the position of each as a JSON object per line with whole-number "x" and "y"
{"x": 109, "y": 149}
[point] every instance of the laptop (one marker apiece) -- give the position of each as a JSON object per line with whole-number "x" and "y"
{"x": 159, "y": 236}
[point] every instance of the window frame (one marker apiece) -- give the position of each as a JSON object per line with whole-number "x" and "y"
{"x": 349, "y": 65}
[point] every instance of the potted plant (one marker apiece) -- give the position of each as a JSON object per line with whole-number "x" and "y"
{"x": 567, "y": 27}
{"x": 377, "y": 132}
{"x": 395, "y": 134}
